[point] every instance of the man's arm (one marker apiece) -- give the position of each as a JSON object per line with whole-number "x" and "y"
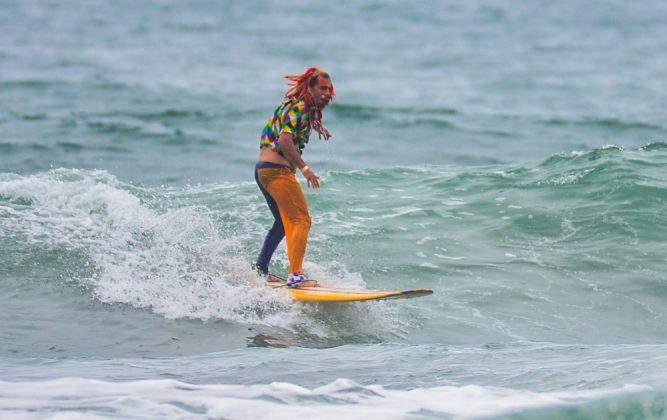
{"x": 289, "y": 151}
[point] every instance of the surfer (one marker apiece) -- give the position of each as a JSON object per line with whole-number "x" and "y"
{"x": 282, "y": 142}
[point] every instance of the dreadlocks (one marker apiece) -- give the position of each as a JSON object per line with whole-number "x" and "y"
{"x": 298, "y": 91}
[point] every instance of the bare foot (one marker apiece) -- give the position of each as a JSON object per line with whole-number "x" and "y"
{"x": 272, "y": 279}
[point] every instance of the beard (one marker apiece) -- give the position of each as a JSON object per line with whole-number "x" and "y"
{"x": 321, "y": 102}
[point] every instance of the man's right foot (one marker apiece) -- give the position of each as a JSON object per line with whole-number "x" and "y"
{"x": 270, "y": 278}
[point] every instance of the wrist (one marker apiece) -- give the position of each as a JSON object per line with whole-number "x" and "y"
{"x": 304, "y": 169}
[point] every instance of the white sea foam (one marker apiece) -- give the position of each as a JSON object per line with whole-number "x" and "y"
{"x": 340, "y": 399}
{"x": 428, "y": 265}
{"x": 174, "y": 259}
{"x": 425, "y": 239}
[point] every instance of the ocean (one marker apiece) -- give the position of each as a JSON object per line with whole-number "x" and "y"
{"x": 511, "y": 156}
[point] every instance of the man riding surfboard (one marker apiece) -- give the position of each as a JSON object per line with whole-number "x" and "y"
{"x": 281, "y": 146}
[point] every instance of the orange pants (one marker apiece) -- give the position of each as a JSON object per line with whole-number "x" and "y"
{"x": 282, "y": 185}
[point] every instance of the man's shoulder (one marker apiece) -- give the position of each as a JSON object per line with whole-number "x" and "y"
{"x": 293, "y": 106}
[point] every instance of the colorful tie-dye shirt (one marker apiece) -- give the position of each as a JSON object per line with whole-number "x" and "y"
{"x": 290, "y": 117}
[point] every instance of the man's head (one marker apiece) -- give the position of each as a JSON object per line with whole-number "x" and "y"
{"x": 315, "y": 88}
{"x": 320, "y": 90}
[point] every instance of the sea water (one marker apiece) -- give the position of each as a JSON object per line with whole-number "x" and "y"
{"x": 511, "y": 156}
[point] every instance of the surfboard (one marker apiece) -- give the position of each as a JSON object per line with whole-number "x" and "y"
{"x": 329, "y": 294}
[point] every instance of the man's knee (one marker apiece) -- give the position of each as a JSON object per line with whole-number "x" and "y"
{"x": 304, "y": 222}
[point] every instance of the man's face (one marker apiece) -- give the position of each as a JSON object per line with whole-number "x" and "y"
{"x": 321, "y": 92}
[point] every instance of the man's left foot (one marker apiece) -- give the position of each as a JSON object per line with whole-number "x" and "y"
{"x": 308, "y": 283}
{"x": 295, "y": 280}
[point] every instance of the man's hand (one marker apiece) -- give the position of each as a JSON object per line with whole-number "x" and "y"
{"x": 289, "y": 150}
{"x": 311, "y": 178}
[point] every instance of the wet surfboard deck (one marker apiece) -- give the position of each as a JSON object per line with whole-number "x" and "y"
{"x": 330, "y": 294}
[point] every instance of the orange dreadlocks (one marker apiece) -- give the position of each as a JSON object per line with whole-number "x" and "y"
{"x": 298, "y": 91}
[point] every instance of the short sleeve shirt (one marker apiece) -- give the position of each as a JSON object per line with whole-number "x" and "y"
{"x": 290, "y": 117}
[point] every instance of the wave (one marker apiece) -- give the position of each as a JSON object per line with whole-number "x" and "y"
{"x": 656, "y": 146}
{"x": 449, "y": 118}
{"x": 15, "y": 147}
{"x": 592, "y": 222}
{"x": 341, "y": 398}
{"x": 165, "y": 251}
{"x": 66, "y": 146}
{"x": 610, "y": 123}
{"x": 34, "y": 83}
{"x": 173, "y": 114}
{"x": 130, "y": 129}
{"x": 600, "y": 165}
{"x": 585, "y": 224}
{"x": 396, "y": 115}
